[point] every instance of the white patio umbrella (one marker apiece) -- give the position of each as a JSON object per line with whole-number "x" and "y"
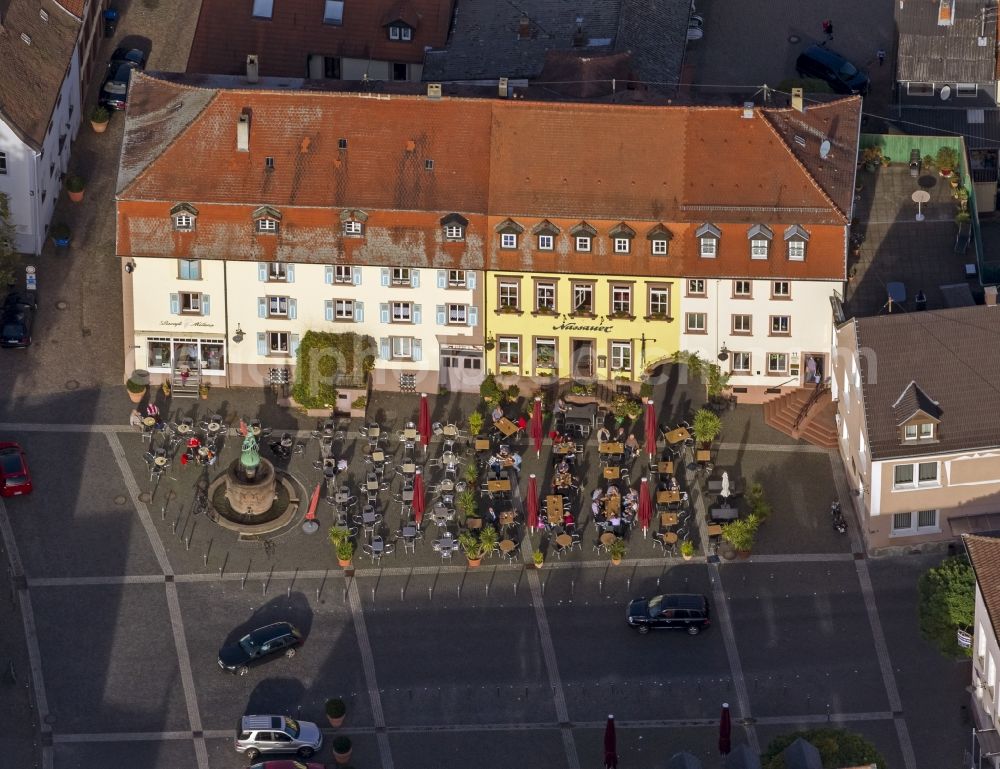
{"x": 725, "y": 485}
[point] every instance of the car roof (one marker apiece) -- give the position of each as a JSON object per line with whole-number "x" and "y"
{"x": 262, "y": 722}
{"x": 824, "y": 55}
{"x": 683, "y": 601}
{"x": 274, "y": 629}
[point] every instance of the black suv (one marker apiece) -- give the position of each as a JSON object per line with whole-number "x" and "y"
{"x": 679, "y": 611}
{"x": 258, "y": 645}
{"x": 821, "y": 63}
{"x": 16, "y": 319}
{"x": 114, "y": 92}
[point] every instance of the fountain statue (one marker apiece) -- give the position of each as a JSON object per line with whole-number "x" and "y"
{"x": 250, "y": 481}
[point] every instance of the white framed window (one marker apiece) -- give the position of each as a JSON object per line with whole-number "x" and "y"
{"x": 342, "y": 273}
{"x": 333, "y": 12}
{"x": 759, "y": 248}
{"x": 457, "y": 279}
{"x": 546, "y": 242}
{"x": 401, "y": 312}
{"x": 927, "y": 474}
{"x": 621, "y": 299}
{"x": 910, "y": 432}
{"x": 741, "y": 362}
{"x": 781, "y": 289}
{"x": 277, "y": 272}
{"x": 545, "y": 353}
{"x": 402, "y": 347}
{"x": 926, "y": 431}
{"x": 659, "y": 300}
{"x": 777, "y": 363}
{"x": 919, "y": 89}
{"x": 394, "y": 33}
{"x": 623, "y": 245}
{"x": 583, "y": 243}
{"x": 277, "y": 342}
{"x": 902, "y": 476}
{"x": 189, "y": 269}
{"x": 583, "y": 297}
{"x": 401, "y": 276}
{"x": 277, "y": 307}
{"x": 262, "y": 9}
{"x": 353, "y": 228}
{"x": 510, "y": 294}
{"x": 781, "y": 325}
{"x": 458, "y": 314}
{"x": 454, "y": 232}
{"x": 991, "y": 675}
{"x": 509, "y": 351}
{"x": 190, "y": 303}
{"x": 659, "y": 246}
{"x": 743, "y": 324}
{"x": 183, "y": 222}
{"x": 508, "y": 240}
{"x": 966, "y": 90}
{"x": 742, "y": 289}
{"x": 696, "y": 322}
{"x": 696, "y": 287}
{"x": 797, "y": 250}
{"x": 545, "y": 296}
{"x": 267, "y": 225}
{"x": 917, "y": 522}
{"x": 343, "y": 309}
{"x": 621, "y": 356}
{"x": 709, "y": 247}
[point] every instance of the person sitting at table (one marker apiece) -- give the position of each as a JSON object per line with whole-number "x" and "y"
{"x": 522, "y": 423}
{"x": 516, "y": 459}
{"x": 603, "y": 435}
{"x": 497, "y": 414}
{"x": 563, "y": 467}
{"x": 559, "y": 407}
{"x": 631, "y": 447}
{"x": 341, "y": 465}
{"x": 135, "y": 419}
{"x": 615, "y": 522}
{"x": 673, "y": 484}
{"x": 555, "y": 437}
{"x": 491, "y": 517}
{"x": 569, "y": 522}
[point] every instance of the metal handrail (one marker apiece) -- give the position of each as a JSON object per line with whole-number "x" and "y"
{"x": 816, "y": 395}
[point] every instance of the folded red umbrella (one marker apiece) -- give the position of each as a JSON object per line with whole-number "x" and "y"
{"x": 610, "y": 745}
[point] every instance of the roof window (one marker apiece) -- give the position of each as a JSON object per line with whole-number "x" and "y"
{"x": 333, "y": 12}
{"x": 263, "y": 9}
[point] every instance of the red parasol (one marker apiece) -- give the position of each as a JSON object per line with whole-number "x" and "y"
{"x": 424, "y": 423}
{"x": 532, "y": 502}
{"x": 645, "y": 506}
{"x": 313, "y": 503}
{"x": 650, "y": 429}
{"x": 610, "y": 745}
{"x": 725, "y": 731}
{"x": 418, "y": 497}
{"x": 536, "y": 426}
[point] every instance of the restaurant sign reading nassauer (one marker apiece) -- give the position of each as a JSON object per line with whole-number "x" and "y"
{"x": 568, "y": 325}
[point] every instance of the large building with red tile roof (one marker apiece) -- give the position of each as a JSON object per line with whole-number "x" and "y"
{"x": 610, "y": 224}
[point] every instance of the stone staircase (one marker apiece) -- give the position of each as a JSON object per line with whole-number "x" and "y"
{"x": 184, "y": 387}
{"x": 813, "y": 412}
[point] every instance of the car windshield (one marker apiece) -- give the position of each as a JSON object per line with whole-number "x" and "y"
{"x": 12, "y": 331}
{"x": 248, "y": 644}
{"x": 115, "y": 87}
{"x": 847, "y": 70}
{"x": 10, "y": 462}
{"x": 654, "y": 605}
{"x": 292, "y": 727}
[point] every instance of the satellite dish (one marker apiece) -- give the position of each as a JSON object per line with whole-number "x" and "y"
{"x": 824, "y": 149}
{"x": 945, "y": 92}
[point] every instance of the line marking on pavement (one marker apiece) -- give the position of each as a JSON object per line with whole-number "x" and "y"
{"x": 805, "y": 448}
{"x": 173, "y": 602}
{"x": 368, "y": 663}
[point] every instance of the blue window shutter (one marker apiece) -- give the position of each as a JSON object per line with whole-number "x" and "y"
{"x": 262, "y": 272}
{"x": 383, "y": 313}
{"x": 356, "y": 276}
{"x": 385, "y": 276}
{"x": 473, "y": 315}
{"x": 383, "y": 348}
{"x": 442, "y": 318}
{"x": 415, "y": 278}
{"x": 293, "y": 344}
{"x": 418, "y": 351}
{"x": 328, "y": 309}
{"x": 290, "y": 272}
{"x": 175, "y": 304}
{"x": 470, "y": 279}
{"x": 206, "y": 304}
{"x": 293, "y": 308}
{"x": 261, "y": 343}
{"x": 442, "y": 279}
{"x": 417, "y": 314}
{"x": 359, "y": 312}
{"x": 261, "y": 306}
{"x": 328, "y": 274}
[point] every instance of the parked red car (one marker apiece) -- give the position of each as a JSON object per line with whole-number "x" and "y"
{"x": 15, "y": 479}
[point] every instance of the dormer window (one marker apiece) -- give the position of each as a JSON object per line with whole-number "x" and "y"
{"x": 708, "y": 240}
{"x": 919, "y": 432}
{"x": 659, "y": 240}
{"x": 183, "y": 217}
{"x": 266, "y": 220}
{"x": 583, "y": 237}
{"x": 266, "y": 224}
{"x": 917, "y": 415}
{"x": 352, "y": 222}
{"x": 508, "y": 231}
{"x": 400, "y": 32}
{"x": 546, "y": 233}
{"x": 621, "y": 238}
{"x": 353, "y": 228}
{"x": 454, "y": 226}
{"x": 796, "y": 239}
{"x": 760, "y": 241}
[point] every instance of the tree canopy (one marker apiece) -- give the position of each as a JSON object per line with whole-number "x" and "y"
{"x": 947, "y": 603}
{"x": 837, "y": 748}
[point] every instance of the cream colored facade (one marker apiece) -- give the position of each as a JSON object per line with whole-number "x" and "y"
{"x": 985, "y": 662}
{"x": 240, "y": 320}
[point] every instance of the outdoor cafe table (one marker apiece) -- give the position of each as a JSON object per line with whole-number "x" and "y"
{"x": 374, "y": 431}
{"x": 668, "y": 519}
{"x": 703, "y": 455}
{"x": 666, "y": 496}
{"x": 214, "y": 427}
{"x": 409, "y": 434}
{"x": 494, "y": 487}
{"x": 450, "y": 431}
{"x": 563, "y": 480}
{"x": 677, "y": 435}
{"x": 613, "y": 506}
{"x": 148, "y": 421}
{"x": 506, "y": 427}
{"x": 342, "y": 497}
{"x": 378, "y": 456}
{"x": 714, "y": 530}
{"x": 715, "y": 485}
{"x": 665, "y": 468}
{"x": 612, "y": 447}
{"x": 581, "y": 415}
{"x": 407, "y": 495}
{"x": 409, "y": 468}
{"x": 607, "y": 538}
{"x": 160, "y": 461}
{"x": 612, "y": 472}
{"x": 723, "y": 513}
{"x": 183, "y": 428}
{"x": 564, "y": 541}
{"x": 482, "y": 444}
{"x": 566, "y": 447}
{"x": 507, "y": 518}
{"x": 507, "y": 546}
{"x": 449, "y": 458}
{"x": 554, "y": 505}
{"x": 446, "y": 484}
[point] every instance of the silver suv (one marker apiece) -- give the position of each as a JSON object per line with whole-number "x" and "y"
{"x": 267, "y": 735}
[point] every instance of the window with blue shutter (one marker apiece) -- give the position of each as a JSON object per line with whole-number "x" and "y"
{"x": 328, "y": 309}
{"x": 442, "y": 279}
{"x": 470, "y": 279}
{"x": 175, "y": 304}
{"x": 262, "y": 273}
{"x": 293, "y": 344}
{"x": 473, "y": 316}
{"x": 383, "y": 313}
{"x": 290, "y": 273}
{"x": 383, "y": 348}
{"x": 442, "y": 316}
{"x": 206, "y": 304}
{"x": 385, "y": 276}
{"x": 417, "y": 349}
{"x": 293, "y": 309}
{"x": 417, "y": 314}
{"x": 328, "y": 274}
{"x": 356, "y": 276}
{"x": 359, "y": 312}
{"x": 415, "y": 278}
{"x": 261, "y": 306}
{"x": 261, "y": 343}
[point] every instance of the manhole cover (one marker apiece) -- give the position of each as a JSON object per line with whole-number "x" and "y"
{"x": 72, "y": 384}
{"x": 61, "y": 305}
{"x": 144, "y": 496}
{"x": 120, "y": 499}
{"x": 794, "y": 39}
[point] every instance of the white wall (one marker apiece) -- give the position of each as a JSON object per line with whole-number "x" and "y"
{"x": 983, "y": 629}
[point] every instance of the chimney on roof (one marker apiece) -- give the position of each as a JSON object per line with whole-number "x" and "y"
{"x": 578, "y": 38}
{"x": 748, "y": 110}
{"x": 252, "y": 71}
{"x": 502, "y": 87}
{"x": 991, "y": 296}
{"x": 797, "y": 99}
{"x": 433, "y": 90}
{"x": 524, "y": 27}
{"x": 243, "y": 131}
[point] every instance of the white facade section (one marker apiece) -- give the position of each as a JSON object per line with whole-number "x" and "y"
{"x": 33, "y": 178}
{"x": 985, "y": 658}
{"x": 777, "y": 332}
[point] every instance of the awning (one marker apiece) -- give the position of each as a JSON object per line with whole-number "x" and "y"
{"x": 459, "y": 342}
{"x": 974, "y": 524}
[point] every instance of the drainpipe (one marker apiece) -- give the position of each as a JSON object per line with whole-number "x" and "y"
{"x": 36, "y": 225}
{"x": 225, "y": 319}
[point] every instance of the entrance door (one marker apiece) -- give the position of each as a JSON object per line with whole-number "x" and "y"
{"x": 815, "y": 369}
{"x": 461, "y": 370}
{"x": 583, "y": 358}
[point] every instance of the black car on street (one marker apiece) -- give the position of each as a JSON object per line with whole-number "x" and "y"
{"x": 678, "y": 611}
{"x": 17, "y": 316}
{"x": 259, "y": 645}
{"x": 114, "y": 92}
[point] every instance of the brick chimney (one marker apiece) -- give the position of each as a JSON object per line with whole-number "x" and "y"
{"x": 524, "y": 28}
{"x": 243, "y": 132}
{"x": 991, "y": 296}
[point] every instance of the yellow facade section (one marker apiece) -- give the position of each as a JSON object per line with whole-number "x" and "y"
{"x": 579, "y": 326}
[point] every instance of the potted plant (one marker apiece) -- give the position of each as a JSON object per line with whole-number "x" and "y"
{"x": 476, "y": 420}
{"x": 340, "y": 538}
{"x": 617, "y": 551}
{"x": 471, "y": 473}
{"x": 60, "y": 234}
{"x": 335, "y": 712}
{"x": 758, "y": 505}
{"x": 74, "y": 188}
{"x": 687, "y": 549}
{"x": 871, "y": 158}
{"x": 707, "y": 426}
{"x": 472, "y": 547}
{"x": 341, "y": 749}
{"x": 136, "y": 388}
{"x": 946, "y": 161}
{"x": 539, "y": 558}
{"x": 741, "y": 534}
{"x": 466, "y": 503}
{"x": 203, "y": 391}
{"x": 99, "y": 119}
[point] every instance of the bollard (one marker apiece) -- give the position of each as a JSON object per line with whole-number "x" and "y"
{"x": 243, "y": 582}
{"x": 187, "y": 544}
{"x": 402, "y": 588}
{"x": 208, "y": 550}
{"x": 163, "y": 512}
{"x": 222, "y": 568}
{"x": 572, "y": 587}
{"x": 174, "y": 525}
{"x": 628, "y": 583}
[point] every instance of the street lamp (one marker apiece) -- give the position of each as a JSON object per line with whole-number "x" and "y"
{"x": 238, "y": 336}
{"x": 723, "y": 353}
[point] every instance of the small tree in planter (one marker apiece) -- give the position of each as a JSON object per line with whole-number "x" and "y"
{"x": 758, "y": 505}
{"x": 707, "y": 426}
{"x": 342, "y": 749}
{"x": 687, "y": 549}
{"x": 336, "y": 710}
{"x": 946, "y": 160}
{"x": 74, "y": 187}
{"x": 539, "y": 558}
{"x": 476, "y": 420}
{"x": 99, "y": 119}
{"x": 741, "y": 533}
{"x": 617, "y": 550}
{"x": 340, "y": 538}
{"x": 472, "y": 546}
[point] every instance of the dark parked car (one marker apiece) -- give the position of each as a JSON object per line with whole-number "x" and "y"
{"x": 821, "y": 63}
{"x": 258, "y": 645}
{"x": 16, "y": 319}
{"x": 114, "y": 92}
{"x": 15, "y": 479}
{"x": 680, "y": 611}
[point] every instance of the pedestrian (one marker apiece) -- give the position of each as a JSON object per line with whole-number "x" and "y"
{"x": 828, "y": 29}
{"x": 880, "y": 55}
